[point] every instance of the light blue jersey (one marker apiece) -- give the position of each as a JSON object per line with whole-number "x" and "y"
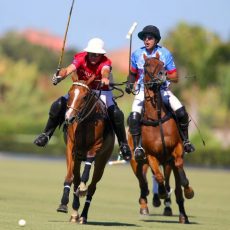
{"x": 137, "y": 62}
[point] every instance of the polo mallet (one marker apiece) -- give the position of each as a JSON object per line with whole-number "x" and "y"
{"x": 64, "y": 40}
{"x": 129, "y": 36}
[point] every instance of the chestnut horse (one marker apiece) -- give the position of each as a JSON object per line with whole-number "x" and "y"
{"x": 89, "y": 138}
{"x": 161, "y": 141}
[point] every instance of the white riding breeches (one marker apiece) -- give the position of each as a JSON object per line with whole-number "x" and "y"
{"x": 168, "y": 97}
{"x": 106, "y": 97}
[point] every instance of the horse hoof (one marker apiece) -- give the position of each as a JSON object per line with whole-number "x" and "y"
{"x": 183, "y": 219}
{"x": 62, "y": 208}
{"x": 74, "y": 219}
{"x": 82, "y": 220}
{"x": 167, "y": 211}
{"x": 144, "y": 211}
{"x": 82, "y": 190}
{"x": 188, "y": 193}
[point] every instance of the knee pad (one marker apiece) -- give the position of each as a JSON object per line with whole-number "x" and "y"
{"x": 134, "y": 122}
{"x": 115, "y": 114}
{"x": 58, "y": 108}
{"x": 182, "y": 115}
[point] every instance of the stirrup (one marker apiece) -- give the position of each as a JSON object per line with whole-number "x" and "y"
{"x": 125, "y": 151}
{"x": 188, "y": 146}
{"x": 139, "y": 153}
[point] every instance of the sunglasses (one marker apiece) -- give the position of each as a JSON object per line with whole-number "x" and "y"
{"x": 94, "y": 55}
{"x": 147, "y": 36}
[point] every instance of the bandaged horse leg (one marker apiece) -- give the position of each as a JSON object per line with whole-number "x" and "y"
{"x": 56, "y": 117}
{"x": 167, "y": 201}
{"x": 135, "y": 131}
{"x": 65, "y": 198}
{"x": 117, "y": 119}
{"x": 183, "y": 218}
{"x": 84, "y": 215}
{"x": 82, "y": 188}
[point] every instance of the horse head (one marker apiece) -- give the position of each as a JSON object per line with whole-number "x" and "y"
{"x": 154, "y": 71}
{"x": 78, "y": 97}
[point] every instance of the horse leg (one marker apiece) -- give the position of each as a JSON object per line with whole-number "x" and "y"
{"x": 183, "y": 218}
{"x": 156, "y": 202}
{"x": 68, "y": 181}
{"x": 167, "y": 201}
{"x": 154, "y": 164}
{"x": 188, "y": 191}
{"x": 141, "y": 172}
{"x": 99, "y": 166}
{"x": 82, "y": 189}
{"x": 74, "y": 218}
{"x": 76, "y": 201}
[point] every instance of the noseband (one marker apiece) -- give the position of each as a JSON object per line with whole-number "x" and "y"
{"x": 155, "y": 75}
{"x": 82, "y": 113}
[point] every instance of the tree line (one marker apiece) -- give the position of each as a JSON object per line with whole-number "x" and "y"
{"x": 202, "y": 58}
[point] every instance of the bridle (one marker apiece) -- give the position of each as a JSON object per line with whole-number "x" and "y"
{"x": 155, "y": 75}
{"x": 83, "y": 112}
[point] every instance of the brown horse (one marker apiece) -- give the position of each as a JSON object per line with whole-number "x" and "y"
{"x": 161, "y": 141}
{"x": 89, "y": 138}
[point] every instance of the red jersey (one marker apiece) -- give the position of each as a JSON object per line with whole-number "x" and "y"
{"x": 85, "y": 70}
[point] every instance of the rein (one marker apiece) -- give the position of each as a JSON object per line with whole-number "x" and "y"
{"x": 83, "y": 114}
{"x": 156, "y": 102}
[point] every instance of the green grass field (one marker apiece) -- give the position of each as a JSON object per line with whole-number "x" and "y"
{"x": 31, "y": 189}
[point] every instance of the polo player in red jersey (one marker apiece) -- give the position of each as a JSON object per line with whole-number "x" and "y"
{"x": 93, "y": 66}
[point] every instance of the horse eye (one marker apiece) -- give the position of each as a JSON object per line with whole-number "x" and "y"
{"x": 85, "y": 97}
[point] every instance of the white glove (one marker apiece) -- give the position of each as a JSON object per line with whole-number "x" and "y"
{"x": 56, "y": 79}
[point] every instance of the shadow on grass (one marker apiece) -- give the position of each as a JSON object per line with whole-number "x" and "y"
{"x": 168, "y": 221}
{"x": 99, "y": 223}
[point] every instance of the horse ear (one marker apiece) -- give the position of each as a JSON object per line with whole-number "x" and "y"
{"x": 144, "y": 56}
{"x": 157, "y": 55}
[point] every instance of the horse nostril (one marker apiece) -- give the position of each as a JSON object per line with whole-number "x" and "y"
{"x": 69, "y": 120}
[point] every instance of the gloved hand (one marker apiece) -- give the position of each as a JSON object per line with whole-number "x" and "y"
{"x": 56, "y": 79}
{"x": 162, "y": 76}
{"x": 128, "y": 88}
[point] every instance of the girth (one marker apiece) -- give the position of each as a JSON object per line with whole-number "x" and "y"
{"x": 154, "y": 123}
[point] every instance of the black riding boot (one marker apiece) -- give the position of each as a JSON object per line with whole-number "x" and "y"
{"x": 56, "y": 117}
{"x": 183, "y": 120}
{"x": 135, "y": 130}
{"x": 117, "y": 119}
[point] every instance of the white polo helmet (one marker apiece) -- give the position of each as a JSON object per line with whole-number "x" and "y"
{"x": 95, "y": 45}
